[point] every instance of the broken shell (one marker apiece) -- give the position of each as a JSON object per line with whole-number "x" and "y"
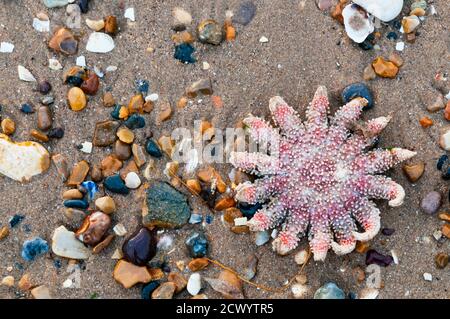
{"x": 357, "y": 22}
{"x": 21, "y": 161}
{"x": 385, "y": 10}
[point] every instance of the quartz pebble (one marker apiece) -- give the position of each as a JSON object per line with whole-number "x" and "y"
{"x": 6, "y": 47}
{"x": 301, "y": 257}
{"x": 55, "y": 3}
{"x": 437, "y": 104}
{"x": 431, "y": 203}
{"x": 76, "y": 99}
{"x": 86, "y": 147}
{"x": 64, "y": 244}
{"x": 73, "y": 16}
{"x": 427, "y": 276}
{"x": 410, "y": 23}
{"x": 120, "y": 230}
{"x": 95, "y": 25}
{"x": 132, "y": 180}
{"x": 181, "y": 19}
{"x": 164, "y": 291}
{"x": 329, "y": 291}
{"x": 369, "y": 293}
{"x": 299, "y": 291}
{"x": 129, "y": 14}
{"x": 72, "y": 194}
{"x": 194, "y": 284}
{"x": 41, "y": 25}
{"x": 41, "y": 292}
{"x": 262, "y": 237}
{"x": 138, "y": 155}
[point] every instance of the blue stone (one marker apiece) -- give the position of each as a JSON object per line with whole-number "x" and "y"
{"x": 115, "y": 113}
{"x": 397, "y": 24}
{"x": 357, "y": 90}
{"x": 195, "y": 219}
{"x": 116, "y": 185}
{"x": 329, "y": 291}
{"x": 208, "y": 219}
{"x": 183, "y": 52}
{"x": 245, "y": 13}
{"x": 91, "y": 189}
{"x": 27, "y": 108}
{"x": 57, "y": 132}
{"x": 27, "y": 228}
{"x": 33, "y": 248}
{"x": 142, "y": 86}
{"x": 153, "y": 149}
{"x": 441, "y": 161}
{"x": 197, "y": 244}
{"x": 84, "y": 5}
{"x": 392, "y": 35}
{"x": 76, "y": 203}
{"x": 135, "y": 121}
{"x": 57, "y": 263}
{"x": 262, "y": 237}
{"x": 15, "y": 220}
{"x": 249, "y": 210}
{"x": 19, "y": 266}
{"x": 146, "y": 292}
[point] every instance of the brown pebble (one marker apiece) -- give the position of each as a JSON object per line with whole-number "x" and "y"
{"x": 425, "y": 122}
{"x": 179, "y": 281}
{"x": 447, "y": 111}
{"x": 4, "y": 232}
{"x": 122, "y": 150}
{"x": 125, "y": 135}
{"x": 359, "y": 274}
{"x": 156, "y": 273}
{"x": 441, "y": 260}
{"x": 369, "y": 73}
{"x": 233, "y": 282}
{"x": 166, "y": 144}
{"x": 108, "y": 100}
{"x": 103, "y": 244}
{"x": 111, "y": 25}
{"x": 164, "y": 291}
{"x": 198, "y": 264}
{"x": 78, "y": 174}
{"x": 231, "y": 213}
{"x": 136, "y": 104}
{"x": 63, "y": 41}
{"x": 385, "y": 69}
{"x": 25, "y": 283}
{"x": 414, "y": 171}
{"x": 93, "y": 228}
{"x": 110, "y": 165}
{"x": 148, "y": 106}
{"x": 217, "y": 101}
{"x": 410, "y": 37}
{"x": 130, "y": 167}
{"x": 44, "y": 118}
{"x": 72, "y": 194}
{"x": 96, "y": 173}
{"x": 129, "y": 275}
{"x": 396, "y": 59}
{"x": 105, "y": 133}
{"x": 138, "y": 155}
{"x": 39, "y": 135}
{"x": 436, "y": 104}
{"x": 8, "y": 126}
{"x": 445, "y": 216}
{"x": 336, "y": 12}
{"x": 183, "y": 37}
{"x": 362, "y": 246}
{"x": 224, "y": 203}
{"x": 41, "y": 292}
{"x": 91, "y": 84}
{"x": 446, "y": 230}
{"x": 165, "y": 112}
{"x": 194, "y": 185}
{"x": 203, "y": 86}
{"x": 76, "y": 99}
{"x": 105, "y": 204}
{"x": 61, "y": 166}
{"x": 182, "y": 102}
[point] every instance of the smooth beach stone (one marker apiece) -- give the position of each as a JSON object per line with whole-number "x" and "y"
{"x": 116, "y": 185}
{"x": 183, "y": 53}
{"x": 128, "y": 274}
{"x": 147, "y": 290}
{"x": 245, "y": 13}
{"x": 27, "y": 108}
{"x": 140, "y": 247}
{"x": 209, "y": 31}
{"x": 329, "y": 291}
{"x": 64, "y": 244}
{"x": 76, "y": 203}
{"x": 106, "y": 204}
{"x": 197, "y": 244}
{"x": 93, "y": 228}
{"x": 77, "y": 99}
{"x": 357, "y": 90}
{"x": 135, "y": 121}
{"x": 153, "y": 149}
{"x": 105, "y": 133}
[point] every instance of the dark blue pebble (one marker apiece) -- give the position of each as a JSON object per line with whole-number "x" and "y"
{"x": 392, "y": 35}
{"x": 142, "y": 86}
{"x": 183, "y": 52}
{"x": 374, "y": 257}
{"x": 249, "y": 210}
{"x": 146, "y": 292}
{"x": 19, "y": 266}
{"x": 115, "y": 113}
{"x": 367, "y": 44}
{"x": 116, "y": 185}
{"x": 166, "y": 268}
{"x": 245, "y": 13}
{"x": 33, "y": 248}
{"x": 15, "y": 220}
{"x": 27, "y": 108}
{"x": 90, "y": 188}
{"x": 56, "y": 132}
{"x": 397, "y": 24}
{"x": 208, "y": 196}
{"x": 135, "y": 121}
{"x": 357, "y": 90}
{"x": 153, "y": 149}
{"x": 441, "y": 161}
{"x": 57, "y": 263}
{"x": 352, "y": 295}
{"x": 197, "y": 244}
{"x": 84, "y": 5}
{"x": 446, "y": 173}
{"x": 388, "y": 231}
{"x": 209, "y": 219}
{"x": 76, "y": 203}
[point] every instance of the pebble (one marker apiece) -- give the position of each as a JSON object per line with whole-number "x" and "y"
{"x": 194, "y": 284}
{"x": 16, "y": 220}
{"x": 73, "y": 16}
{"x": 165, "y": 206}
{"x": 197, "y": 244}
{"x": 72, "y": 194}
{"x": 209, "y": 31}
{"x": 108, "y": 100}
{"x": 41, "y": 25}
{"x": 129, "y": 275}
{"x": 54, "y": 65}
{"x": 74, "y": 217}
{"x": 125, "y": 135}
{"x": 249, "y": 210}
{"x": 437, "y": 105}
{"x": 357, "y": 90}
{"x": 164, "y": 291}
{"x": 61, "y": 166}
{"x": 369, "y": 73}
{"x": 194, "y": 185}
{"x": 446, "y": 230}
{"x": 8, "y": 281}
{"x": 122, "y": 150}
{"x": 27, "y": 108}
{"x": 299, "y": 290}
{"x": 245, "y": 13}
{"x": 262, "y": 237}
{"x": 55, "y": 3}
{"x": 64, "y": 244}
{"x": 148, "y": 289}
{"x": 392, "y": 35}
{"x": 431, "y": 203}
{"x": 153, "y": 149}
{"x": 369, "y": 293}
{"x": 76, "y": 99}
{"x": 33, "y": 248}
{"x": 138, "y": 155}
{"x": 425, "y": 122}
{"x": 183, "y": 52}
{"x": 181, "y": 19}
{"x": 198, "y": 264}
{"x": 135, "y": 121}
{"x": 76, "y": 203}
{"x": 90, "y": 188}
{"x": 44, "y": 87}
{"x": 116, "y": 185}
{"x": 329, "y": 291}
{"x": 410, "y": 23}
{"x": 165, "y": 112}
{"x": 25, "y": 74}
{"x": 140, "y": 247}
{"x": 39, "y": 135}
{"x": 227, "y": 284}
{"x": 105, "y": 204}
{"x": 132, "y": 180}
{"x": 179, "y": 281}
{"x": 6, "y": 47}
{"x": 414, "y": 171}
{"x": 78, "y": 173}
{"x": 441, "y": 260}
{"x": 41, "y": 292}
{"x": 86, "y": 147}
{"x": 8, "y": 126}
{"x": 396, "y": 59}
{"x": 110, "y": 165}
{"x": 249, "y": 271}
{"x": 120, "y": 230}
{"x": 57, "y": 132}
{"x": 387, "y": 231}
{"x": 263, "y": 39}
{"x": 100, "y": 42}
{"x": 301, "y": 257}
{"x": 47, "y": 100}
{"x": 130, "y": 167}
{"x": 399, "y": 46}
{"x": 111, "y": 26}
{"x": 129, "y": 14}
{"x": 95, "y": 25}
{"x": 75, "y": 76}
{"x": 195, "y": 219}
{"x": 136, "y": 103}
{"x": 91, "y": 84}
{"x": 203, "y": 86}
{"x": 374, "y": 257}
{"x": 93, "y": 228}
{"x": 44, "y": 118}
{"x": 385, "y": 69}
{"x": 105, "y": 133}
{"x": 63, "y": 41}
{"x": 4, "y": 232}
{"x": 427, "y": 276}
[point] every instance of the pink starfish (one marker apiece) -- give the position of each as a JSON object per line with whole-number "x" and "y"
{"x": 321, "y": 180}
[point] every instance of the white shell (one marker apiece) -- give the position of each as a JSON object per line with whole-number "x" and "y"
{"x": 21, "y": 161}
{"x": 358, "y": 24}
{"x": 41, "y": 25}
{"x": 6, "y": 47}
{"x": 385, "y": 10}
{"x": 100, "y": 42}
{"x": 129, "y": 14}
{"x": 25, "y": 74}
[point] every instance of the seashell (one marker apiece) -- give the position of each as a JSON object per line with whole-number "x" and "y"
{"x": 25, "y": 74}
{"x": 63, "y": 41}
{"x": 357, "y": 22}
{"x": 385, "y": 10}
{"x": 100, "y": 42}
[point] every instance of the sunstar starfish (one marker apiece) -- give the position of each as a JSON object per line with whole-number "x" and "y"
{"x": 320, "y": 181}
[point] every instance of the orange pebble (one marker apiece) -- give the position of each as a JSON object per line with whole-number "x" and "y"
{"x": 217, "y": 101}
{"x": 426, "y": 122}
{"x": 447, "y": 111}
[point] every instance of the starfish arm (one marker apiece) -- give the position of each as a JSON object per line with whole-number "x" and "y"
{"x": 375, "y": 126}
{"x": 286, "y": 117}
{"x": 343, "y": 227}
{"x": 347, "y": 115}
{"x": 320, "y": 235}
{"x": 255, "y": 163}
{"x": 368, "y": 216}
{"x": 293, "y": 229}
{"x": 317, "y": 111}
{"x": 261, "y": 131}
{"x": 268, "y": 217}
{"x": 381, "y": 187}
{"x": 259, "y": 190}
{"x": 379, "y": 161}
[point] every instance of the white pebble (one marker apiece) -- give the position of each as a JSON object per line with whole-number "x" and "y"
{"x": 132, "y": 180}
{"x": 41, "y": 25}
{"x": 129, "y": 14}
{"x": 400, "y": 46}
{"x": 301, "y": 257}
{"x": 81, "y": 61}
{"x": 263, "y": 39}
{"x": 68, "y": 283}
{"x": 299, "y": 291}
{"x": 274, "y": 233}
{"x": 100, "y": 42}
{"x": 120, "y": 230}
{"x": 99, "y": 72}
{"x": 54, "y": 64}
{"x": 25, "y": 74}
{"x": 165, "y": 242}
{"x": 427, "y": 276}
{"x": 111, "y": 68}
{"x": 194, "y": 284}
{"x": 86, "y": 147}
{"x": 6, "y": 47}
{"x": 261, "y": 237}
{"x": 241, "y": 221}
{"x": 152, "y": 97}
{"x": 205, "y": 66}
